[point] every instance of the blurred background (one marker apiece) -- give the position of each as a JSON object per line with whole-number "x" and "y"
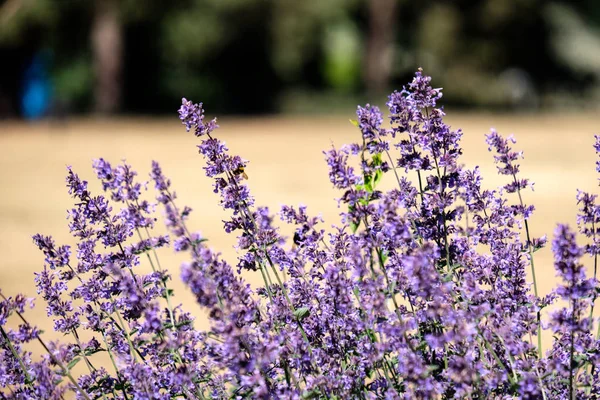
{"x": 83, "y": 79}
{"x": 63, "y": 57}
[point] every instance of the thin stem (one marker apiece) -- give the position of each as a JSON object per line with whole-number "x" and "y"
{"x": 595, "y": 295}
{"x": 418, "y": 170}
{"x": 572, "y": 340}
{"x": 112, "y": 360}
{"x": 91, "y": 368}
{"x": 530, "y": 250}
{"x": 175, "y": 354}
{"x": 28, "y": 379}
{"x": 443, "y": 211}
{"x": 390, "y": 285}
{"x": 494, "y": 355}
{"x": 267, "y": 286}
{"x": 571, "y": 372}
{"x": 85, "y": 358}
{"x": 164, "y": 284}
{"x": 64, "y": 370}
{"x": 127, "y": 337}
{"x": 291, "y": 305}
{"x": 537, "y": 373}
{"x": 363, "y": 314}
{"x": 109, "y": 316}
{"x": 509, "y": 357}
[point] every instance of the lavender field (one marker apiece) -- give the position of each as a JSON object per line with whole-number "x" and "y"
{"x": 286, "y": 166}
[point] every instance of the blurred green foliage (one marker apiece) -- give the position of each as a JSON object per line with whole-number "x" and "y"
{"x": 73, "y": 81}
{"x": 249, "y": 56}
{"x": 342, "y": 47}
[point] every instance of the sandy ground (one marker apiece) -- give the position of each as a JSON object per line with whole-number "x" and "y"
{"x": 286, "y": 167}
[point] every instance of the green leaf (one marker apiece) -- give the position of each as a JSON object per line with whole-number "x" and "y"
{"x": 353, "y": 224}
{"x": 313, "y": 394}
{"x": 142, "y": 250}
{"x": 384, "y": 258}
{"x": 377, "y": 159}
{"x": 354, "y": 122}
{"x": 73, "y": 363}
{"x": 89, "y": 352}
{"x": 301, "y": 313}
{"x": 370, "y": 333}
{"x": 368, "y": 183}
{"x": 184, "y": 323}
{"x": 378, "y": 176}
{"x": 147, "y": 284}
{"x": 120, "y": 385}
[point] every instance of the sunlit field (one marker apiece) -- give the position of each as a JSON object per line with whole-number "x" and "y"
{"x": 286, "y": 166}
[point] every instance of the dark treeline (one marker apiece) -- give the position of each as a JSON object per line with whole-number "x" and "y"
{"x": 264, "y": 56}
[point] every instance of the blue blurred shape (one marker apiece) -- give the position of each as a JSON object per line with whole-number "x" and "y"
{"x": 37, "y": 89}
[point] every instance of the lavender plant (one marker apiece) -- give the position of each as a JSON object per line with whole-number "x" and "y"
{"x": 418, "y": 292}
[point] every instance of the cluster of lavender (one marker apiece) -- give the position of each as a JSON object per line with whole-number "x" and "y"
{"x": 420, "y": 292}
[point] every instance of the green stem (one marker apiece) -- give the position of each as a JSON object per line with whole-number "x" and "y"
{"x": 54, "y": 359}
{"x": 509, "y": 357}
{"x": 385, "y": 358}
{"x": 85, "y": 358}
{"x": 114, "y": 364}
{"x": 537, "y": 373}
{"x": 595, "y": 295}
{"x": 164, "y": 284}
{"x": 64, "y": 370}
{"x": 443, "y": 214}
{"x": 266, "y": 281}
{"x": 127, "y": 337}
{"x": 495, "y": 356}
{"x": 88, "y": 363}
{"x": 535, "y": 288}
{"x": 28, "y": 379}
{"x": 390, "y": 285}
{"x": 109, "y": 316}
{"x": 571, "y": 370}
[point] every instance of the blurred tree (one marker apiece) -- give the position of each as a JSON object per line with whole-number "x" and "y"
{"x": 107, "y": 49}
{"x": 217, "y": 51}
{"x": 297, "y": 29}
{"x": 242, "y": 56}
{"x": 22, "y": 26}
{"x": 71, "y": 29}
{"x": 575, "y": 42}
{"x": 499, "y": 45}
{"x": 380, "y": 45}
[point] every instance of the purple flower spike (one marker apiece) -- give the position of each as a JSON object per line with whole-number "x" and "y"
{"x": 192, "y": 116}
